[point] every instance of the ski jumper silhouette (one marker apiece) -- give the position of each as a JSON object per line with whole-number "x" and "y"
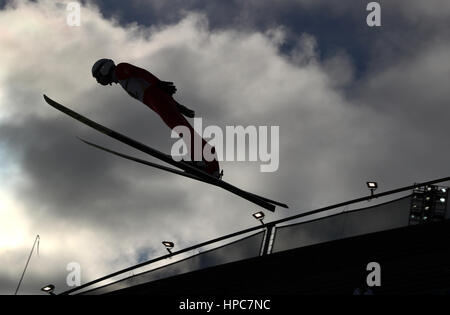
{"x": 157, "y": 95}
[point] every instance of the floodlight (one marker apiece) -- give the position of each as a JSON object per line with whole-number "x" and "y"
{"x": 49, "y": 289}
{"x": 168, "y": 245}
{"x": 372, "y": 186}
{"x": 259, "y": 216}
{"x": 431, "y": 208}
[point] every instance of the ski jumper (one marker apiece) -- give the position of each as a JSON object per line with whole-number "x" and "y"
{"x": 142, "y": 85}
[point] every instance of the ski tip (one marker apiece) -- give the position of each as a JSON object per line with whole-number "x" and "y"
{"x": 48, "y": 99}
{"x": 278, "y": 206}
{"x": 277, "y": 203}
{"x": 282, "y": 205}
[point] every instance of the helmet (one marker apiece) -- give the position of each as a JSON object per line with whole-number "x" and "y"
{"x": 102, "y": 68}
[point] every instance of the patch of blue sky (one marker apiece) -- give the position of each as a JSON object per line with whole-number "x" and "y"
{"x": 8, "y": 167}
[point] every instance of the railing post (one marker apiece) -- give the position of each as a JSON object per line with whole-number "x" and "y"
{"x": 269, "y": 232}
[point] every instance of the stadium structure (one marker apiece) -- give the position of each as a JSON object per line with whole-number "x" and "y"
{"x": 314, "y": 252}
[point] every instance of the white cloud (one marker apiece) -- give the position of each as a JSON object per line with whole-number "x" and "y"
{"x": 13, "y": 224}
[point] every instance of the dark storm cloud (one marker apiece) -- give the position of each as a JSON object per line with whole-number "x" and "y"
{"x": 336, "y": 25}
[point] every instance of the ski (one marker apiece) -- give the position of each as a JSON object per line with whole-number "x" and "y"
{"x": 168, "y": 169}
{"x": 189, "y": 169}
{"x": 141, "y": 161}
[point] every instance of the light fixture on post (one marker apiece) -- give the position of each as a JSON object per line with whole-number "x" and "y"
{"x": 49, "y": 289}
{"x": 372, "y": 186}
{"x": 259, "y": 216}
{"x": 168, "y": 245}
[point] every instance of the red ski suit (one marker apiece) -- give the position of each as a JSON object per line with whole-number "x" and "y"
{"x": 143, "y": 85}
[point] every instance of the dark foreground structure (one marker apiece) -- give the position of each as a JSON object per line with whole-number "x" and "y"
{"x": 406, "y": 238}
{"x": 413, "y": 260}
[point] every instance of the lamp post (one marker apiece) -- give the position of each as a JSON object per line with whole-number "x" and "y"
{"x": 259, "y": 216}
{"x": 168, "y": 245}
{"x": 372, "y": 186}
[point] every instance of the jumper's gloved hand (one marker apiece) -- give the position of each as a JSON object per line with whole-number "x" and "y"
{"x": 167, "y": 87}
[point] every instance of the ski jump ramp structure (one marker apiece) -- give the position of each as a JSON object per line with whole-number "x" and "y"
{"x": 422, "y": 206}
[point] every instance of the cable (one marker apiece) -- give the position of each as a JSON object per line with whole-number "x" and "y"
{"x": 26, "y": 265}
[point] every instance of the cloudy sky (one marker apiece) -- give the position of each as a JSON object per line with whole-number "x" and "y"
{"x": 353, "y": 103}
